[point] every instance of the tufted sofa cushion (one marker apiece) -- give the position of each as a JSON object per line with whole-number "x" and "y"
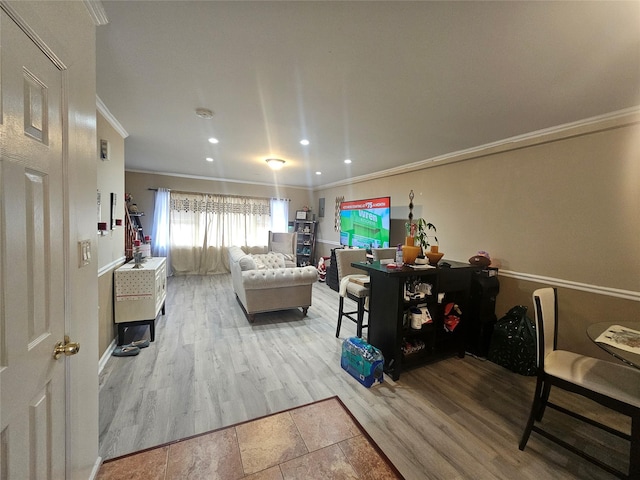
{"x": 269, "y": 260}
{"x": 279, "y": 277}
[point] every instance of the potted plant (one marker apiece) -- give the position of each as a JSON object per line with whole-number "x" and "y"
{"x": 422, "y": 239}
{"x": 422, "y": 234}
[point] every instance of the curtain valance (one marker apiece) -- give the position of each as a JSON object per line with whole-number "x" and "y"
{"x": 197, "y": 203}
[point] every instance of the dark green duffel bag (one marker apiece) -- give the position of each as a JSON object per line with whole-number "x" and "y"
{"x": 513, "y": 343}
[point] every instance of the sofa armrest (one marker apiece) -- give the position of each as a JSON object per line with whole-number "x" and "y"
{"x": 279, "y": 277}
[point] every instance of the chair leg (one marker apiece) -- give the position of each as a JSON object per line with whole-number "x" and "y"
{"x": 634, "y": 451}
{"x": 340, "y": 310}
{"x": 544, "y": 398}
{"x": 535, "y": 408}
{"x": 360, "y": 316}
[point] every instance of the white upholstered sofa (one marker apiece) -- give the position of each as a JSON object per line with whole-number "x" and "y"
{"x": 262, "y": 282}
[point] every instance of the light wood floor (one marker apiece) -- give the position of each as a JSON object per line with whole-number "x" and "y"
{"x": 210, "y": 368}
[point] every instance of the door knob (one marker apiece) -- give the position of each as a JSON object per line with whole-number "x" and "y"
{"x": 67, "y": 348}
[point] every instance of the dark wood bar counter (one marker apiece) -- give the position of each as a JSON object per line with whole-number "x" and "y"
{"x": 441, "y": 291}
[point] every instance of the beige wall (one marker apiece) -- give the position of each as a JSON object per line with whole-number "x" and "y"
{"x": 110, "y": 246}
{"x": 138, "y": 184}
{"x": 107, "y": 330}
{"x": 110, "y": 180}
{"x": 559, "y": 208}
{"x": 576, "y": 310}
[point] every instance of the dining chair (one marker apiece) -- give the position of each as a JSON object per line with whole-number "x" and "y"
{"x": 613, "y": 385}
{"x": 383, "y": 254}
{"x": 357, "y": 290}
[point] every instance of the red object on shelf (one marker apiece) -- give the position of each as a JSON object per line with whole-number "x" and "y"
{"x": 102, "y": 225}
{"x": 119, "y": 222}
{"x": 136, "y": 243}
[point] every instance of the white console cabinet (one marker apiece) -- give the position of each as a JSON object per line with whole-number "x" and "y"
{"x": 140, "y": 294}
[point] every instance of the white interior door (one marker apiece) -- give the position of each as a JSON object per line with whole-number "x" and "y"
{"x": 32, "y": 275}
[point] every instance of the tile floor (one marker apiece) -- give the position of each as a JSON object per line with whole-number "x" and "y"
{"x": 316, "y": 441}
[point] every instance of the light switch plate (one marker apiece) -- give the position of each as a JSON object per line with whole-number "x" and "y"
{"x": 84, "y": 253}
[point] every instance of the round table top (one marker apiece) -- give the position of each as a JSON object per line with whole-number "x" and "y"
{"x": 596, "y": 329}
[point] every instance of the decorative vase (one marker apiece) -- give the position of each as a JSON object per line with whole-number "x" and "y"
{"x": 434, "y": 257}
{"x": 410, "y": 253}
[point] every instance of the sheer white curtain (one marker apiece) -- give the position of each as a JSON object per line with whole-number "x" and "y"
{"x": 160, "y": 232}
{"x": 279, "y": 215}
{"x": 203, "y": 226}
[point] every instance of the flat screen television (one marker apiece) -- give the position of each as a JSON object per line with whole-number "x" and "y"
{"x": 365, "y": 223}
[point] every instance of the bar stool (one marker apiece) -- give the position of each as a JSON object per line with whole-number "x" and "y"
{"x": 358, "y": 292}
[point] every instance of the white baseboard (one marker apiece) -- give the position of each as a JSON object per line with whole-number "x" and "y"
{"x": 96, "y": 469}
{"x": 105, "y": 356}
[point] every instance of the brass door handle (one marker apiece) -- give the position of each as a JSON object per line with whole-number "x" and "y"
{"x": 67, "y": 348}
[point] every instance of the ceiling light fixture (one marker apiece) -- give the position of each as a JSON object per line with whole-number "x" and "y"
{"x": 318, "y": 173}
{"x": 209, "y": 159}
{"x": 204, "y": 113}
{"x": 213, "y": 140}
{"x": 275, "y": 163}
{"x": 304, "y": 142}
{"x": 347, "y": 161}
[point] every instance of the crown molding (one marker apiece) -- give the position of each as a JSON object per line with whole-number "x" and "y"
{"x": 213, "y": 179}
{"x": 102, "y": 108}
{"x": 608, "y": 121}
{"x": 96, "y": 12}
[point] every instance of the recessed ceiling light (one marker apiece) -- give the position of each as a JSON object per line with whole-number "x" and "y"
{"x": 347, "y": 161}
{"x": 213, "y": 140}
{"x": 209, "y": 159}
{"x": 275, "y": 163}
{"x": 304, "y": 142}
{"x": 204, "y": 113}
{"x": 318, "y": 173}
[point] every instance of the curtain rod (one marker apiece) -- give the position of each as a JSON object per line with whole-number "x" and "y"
{"x": 225, "y": 194}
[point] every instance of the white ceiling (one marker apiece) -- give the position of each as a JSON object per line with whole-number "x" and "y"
{"x": 384, "y": 83}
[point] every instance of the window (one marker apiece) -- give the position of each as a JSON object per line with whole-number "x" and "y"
{"x": 202, "y": 226}
{"x": 279, "y": 215}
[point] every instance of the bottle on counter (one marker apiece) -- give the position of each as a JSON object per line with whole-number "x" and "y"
{"x": 399, "y": 260}
{"x": 137, "y": 254}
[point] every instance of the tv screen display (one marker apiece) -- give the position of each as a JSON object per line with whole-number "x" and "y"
{"x": 365, "y": 223}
